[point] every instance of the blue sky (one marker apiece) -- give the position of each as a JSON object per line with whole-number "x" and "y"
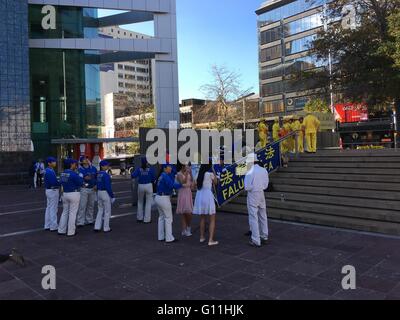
{"x": 222, "y": 32}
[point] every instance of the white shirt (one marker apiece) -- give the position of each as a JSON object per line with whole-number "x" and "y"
{"x": 256, "y": 180}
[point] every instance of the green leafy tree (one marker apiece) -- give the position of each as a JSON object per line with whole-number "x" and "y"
{"x": 357, "y": 31}
{"x": 317, "y": 105}
{"x": 394, "y": 32}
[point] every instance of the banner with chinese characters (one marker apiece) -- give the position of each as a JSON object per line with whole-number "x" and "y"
{"x": 231, "y": 182}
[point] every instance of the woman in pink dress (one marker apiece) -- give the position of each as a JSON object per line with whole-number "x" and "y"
{"x": 185, "y": 199}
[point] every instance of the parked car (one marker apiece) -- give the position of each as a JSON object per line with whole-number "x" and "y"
{"x": 123, "y": 165}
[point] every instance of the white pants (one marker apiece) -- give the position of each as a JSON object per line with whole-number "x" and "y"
{"x": 145, "y": 191}
{"x": 86, "y": 207}
{"x": 258, "y": 219}
{"x": 165, "y": 218}
{"x": 68, "y": 216}
{"x": 35, "y": 180}
{"x": 50, "y": 218}
{"x": 104, "y": 211}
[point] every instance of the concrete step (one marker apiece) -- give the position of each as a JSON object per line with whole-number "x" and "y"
{"x": 335, "y": 159}
{"x": 333, "y": 210}
{"x": 342, "y": 192}
{"x": 336, "y": 177}
{"x": 361, "y": 171}
{"x": 391, "y": 228}
{"x": 354, "y": 153}
{"x": 341, "y": 164}
{"x": 387, "y": 186}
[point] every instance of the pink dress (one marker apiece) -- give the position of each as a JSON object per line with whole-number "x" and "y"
{"x": 185, "y": 198}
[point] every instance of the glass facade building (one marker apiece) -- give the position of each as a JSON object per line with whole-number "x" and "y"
{"x": 65, "y": 95}
{"x": 15, "y": 126}
{"x": 286, "y": 31}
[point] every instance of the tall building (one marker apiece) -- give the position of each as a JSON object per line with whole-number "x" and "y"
{"x": 50, "y": 57}
{"x": 129, "y": 77}
{"x": 286, "y": 29}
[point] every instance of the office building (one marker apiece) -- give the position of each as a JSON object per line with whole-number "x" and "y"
{"x": 286, "y": 30}
{"x": 50, "y": 57}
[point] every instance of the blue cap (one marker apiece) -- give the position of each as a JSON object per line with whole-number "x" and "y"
{"x": 51, "y": 159}
{"x": 164, "y": 166}
{"x": 82, "y": 158}
{"x": 73, "y": 161}
{"x": 104, "y": 163}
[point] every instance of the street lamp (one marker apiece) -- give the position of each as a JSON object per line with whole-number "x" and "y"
{"x": 244, "y": 108}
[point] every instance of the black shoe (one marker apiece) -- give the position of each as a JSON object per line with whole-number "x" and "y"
{"x": 71, "y": 236}
{"x": 96, "y": 231}
{"x": 263, "y": 241}
{"x": 108, "y": 231}
{"x": 139, "y": 221}
{"x": 161, "y": 240}
{"x": 53, "y": 231}
{"x": 255, "y": 245}
{"x": 147, "y": 222}
{"x": 247, "y": 234}
{"x": 61, "y": 234}
{"x": 46, "y": 229}
{"x": 80, "y": 226}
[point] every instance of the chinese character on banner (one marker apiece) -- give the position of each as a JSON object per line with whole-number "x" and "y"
{"x": 270, "y": 153}
{"x": 226, "y": 178}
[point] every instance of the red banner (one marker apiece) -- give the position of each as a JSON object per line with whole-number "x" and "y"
{"x": 351, "y": 112}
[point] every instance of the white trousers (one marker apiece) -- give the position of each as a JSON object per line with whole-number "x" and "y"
{"x": 145, "y": 192}
{"x": 86, "y": 207}
{"x": 104, "y": 211}
{"x": 50, "y": 217}
{"x": 258, "y": 219}
{"x": 35, "y": 180}
{"x": 68, "y": 216}
{"x": 165, "y": 218}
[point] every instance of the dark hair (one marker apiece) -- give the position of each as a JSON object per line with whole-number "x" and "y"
{"x": 144, "y": 164}
{"x": 200, "y": 179}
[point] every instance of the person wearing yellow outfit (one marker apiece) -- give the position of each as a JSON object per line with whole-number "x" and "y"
{"x": 311, "y": 126}
{"x": 288, "y": 129}
{"x": 275, "y": 130}
{"x": 291, "y": 141}
{"x": 297, "y": 126}
{"x": 263, "y": 134}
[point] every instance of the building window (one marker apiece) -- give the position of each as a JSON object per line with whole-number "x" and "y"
{"x": 120, "y": 76}
{"x": 120, "y": 84}
{"x": 120, "y": 67}
{"x": 271, "y": 35}
{"x": 275, "y": 106}
{"x": 271, "y": 89}
{"x": 271, "y": 53}
{"x": 272, "y": 71}
{"x": 299, "y": 45}
{"x": 304, "y": 24}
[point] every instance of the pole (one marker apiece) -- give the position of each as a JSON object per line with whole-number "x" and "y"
{"x": 244, "y": 114}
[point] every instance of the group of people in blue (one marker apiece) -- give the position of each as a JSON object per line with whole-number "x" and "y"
{"x": 79, "y": 185}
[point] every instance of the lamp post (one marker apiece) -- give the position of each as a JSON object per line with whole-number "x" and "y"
{"x": 244, "y": 108}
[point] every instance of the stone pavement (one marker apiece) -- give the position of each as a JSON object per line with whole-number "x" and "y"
{"x": 300, "y": 262}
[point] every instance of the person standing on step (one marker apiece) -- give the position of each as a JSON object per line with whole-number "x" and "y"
{"x": 255, "y": 183}
{"x": 185, "y": 198}
{"x": 204, "y": 204}
{"x": 52, "y": 186}
{"x": 298, "y": 126}
{"x": 71, "y": 183}
{"x": 88, "y": 193}
{"x": 105, "y": 197}
{"x": 311, "y": 126}
{"x": 145, "y": 177}
{"x": 165, "y": 187}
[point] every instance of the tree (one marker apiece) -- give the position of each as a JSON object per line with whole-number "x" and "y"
{"x": 317, "y": 105}
{"x": 362, "y": 71}
{"x": 225, "y": 89}
{"x": 394, "y": 32}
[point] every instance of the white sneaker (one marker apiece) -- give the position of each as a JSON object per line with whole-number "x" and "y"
{"x": 189, "y": 232}
{"x": 184, "y": 233}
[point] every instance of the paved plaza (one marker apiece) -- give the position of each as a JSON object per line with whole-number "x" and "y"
{"x": 300, "y": 262}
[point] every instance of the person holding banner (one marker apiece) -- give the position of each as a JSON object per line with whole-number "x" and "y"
{"x": 255, "y": 183}
{"x": 204, "y": 204}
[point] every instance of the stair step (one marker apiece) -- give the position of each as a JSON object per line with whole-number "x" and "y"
{"x": 354, "y": 153}
{"x": 392, "y": 172}
{"x": 334, "y": 159}
{"x": 341, "y": 164}
{"x": 337, "y": 177}
{"x": 327, "y": 220}
{"x": 336, "y": 184}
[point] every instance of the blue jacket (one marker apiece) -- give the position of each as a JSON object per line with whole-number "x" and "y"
{"x": 166, "y": 185}
{"x": 71, "y": 181}
{"x": 89, "y": 172}
{"x": 104, "y": 183}
{"x": 50, "y": 179}
{"x": 144, "y": 176}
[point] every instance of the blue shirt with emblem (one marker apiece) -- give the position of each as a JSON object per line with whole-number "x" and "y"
{"x": 90, "y": 172}
{"x": 71, "y": 181}
{"x": 166, "y": 185}
{"x": 50, "y": 179}
{"x": 144, "y": 176}
{"x": 104, "y": 183}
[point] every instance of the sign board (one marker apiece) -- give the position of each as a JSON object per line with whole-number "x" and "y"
{"x": 231, "y": 183}
{"x": 351, "y": 112}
